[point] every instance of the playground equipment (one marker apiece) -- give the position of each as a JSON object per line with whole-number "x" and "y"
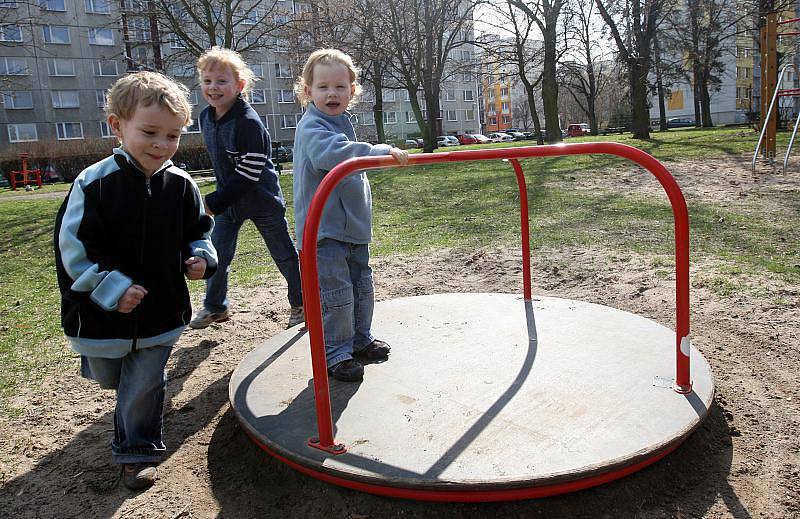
{"x": 769, "y": 86}
{"x": 25, "y": 176}
{"x": 485, "y": 397}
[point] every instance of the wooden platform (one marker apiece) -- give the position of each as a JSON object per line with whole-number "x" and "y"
{"x": 481, "y": 393}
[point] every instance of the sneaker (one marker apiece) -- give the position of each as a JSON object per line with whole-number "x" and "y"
{"x": 205, "y": 318}
{"x": 296, "y": 316}
{"x": 376, "y": 350}
{"x": 138, "y": 476}
{"x": 349, "y": 370}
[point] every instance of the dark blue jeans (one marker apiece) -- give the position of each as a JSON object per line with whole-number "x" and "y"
{"x": 141, "y": 383}
{"x": 275, "y": 231}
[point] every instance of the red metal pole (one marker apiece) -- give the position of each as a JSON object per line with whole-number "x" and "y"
{"x": 311, "y": 299}
{"x": 524, "y": 229}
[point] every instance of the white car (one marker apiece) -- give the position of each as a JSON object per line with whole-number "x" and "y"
{"x": 446, "y": 140}
{"x": 500, "y": 137}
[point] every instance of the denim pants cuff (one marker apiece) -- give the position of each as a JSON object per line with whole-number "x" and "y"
{"x": 126, "y": 458}
{"x": 339, "y": 358}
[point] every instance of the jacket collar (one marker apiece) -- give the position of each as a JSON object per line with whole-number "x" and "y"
{"x": 336, "y": 119}
{"x": 235, "y": 111}
{"x": 123, "y": 157}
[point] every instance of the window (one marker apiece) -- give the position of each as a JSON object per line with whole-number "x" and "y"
{"x": 177, "y": 43}
{"x": 194, "y": 98}
{"x": 742, "y": 92}
{"x": 367, "y": 119}
{"x": 17, "y": 100}
{"x": 742, "y": 73}
{"x": 493, "y": 120}
{"x": 65, "y": 99}
{"x": 389, "y": 96}
{"x": 469, "y": 115}
{"x": 139, "y": 30}
{"x": 290, "y": 120}
{"x": 452, "y": 115}
{"x": 389, "y": 117}
{"x": 13, "y": 67}
{"x": 98, "y": 6}
{"x": 100, "y": 98}
{"x": 406, "y": 96}
{"x": 410, "y": 118}
{"x": 10, "y": 33}
{"x": 8, "y": 4}
{"x": 506, "y": 119}
{"x": 105, "y": 129}
{"x": 105, "y": 68}
{"x": 281, "y": 19}
{"x": 504, "y": 92}
{"x": 504, "y": 107}
{"x": 282, "y": 45}
{"x": 466, "y": 55}
{"x": 264, "y": 121}
{"x": 282, "y": 70}
{"x": 252, "y": 16}
{"x": 60, "y": 67}
{"x": 467, "y": 76}
{"x": 286, "y": 96}
{"x": 22, "y": 132}
{"x": 450, "y": 95}
{"x": 468, "y": 95}
{"x": 258, "y": 70}
{"x": 52, "y": 5}
{"x": 258, "y": 97}
{"x": 194, "y": 127}
{"x": 67, "y": 131}
{"x": 58, "y": 34}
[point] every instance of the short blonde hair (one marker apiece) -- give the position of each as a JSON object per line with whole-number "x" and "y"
{"x": 222, "y": 57}
{"x": 145, "y": 89}
{"x": 326, "y": 57}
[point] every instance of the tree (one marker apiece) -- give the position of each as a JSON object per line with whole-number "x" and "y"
{"x": 639, "y": 20}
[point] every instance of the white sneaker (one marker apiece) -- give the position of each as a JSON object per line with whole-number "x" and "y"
{"x": 205, "y": 318}
{"x": 296, "y": 316}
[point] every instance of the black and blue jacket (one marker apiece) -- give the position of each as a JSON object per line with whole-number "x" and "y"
{"x": 117, "y": 228}
{"x": 240, "y": 151}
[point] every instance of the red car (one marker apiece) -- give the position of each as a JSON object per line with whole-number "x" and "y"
{"x": 466, "y": 138}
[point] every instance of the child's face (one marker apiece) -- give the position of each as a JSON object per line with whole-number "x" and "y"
{"x": 220, "y": 88}
{"x": 331, "y": 89}
{"x": 151, "y": 136}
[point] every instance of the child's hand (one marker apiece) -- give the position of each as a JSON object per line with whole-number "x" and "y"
{"x": 131, "y": 299}
{"x": 400, "y": 155}
{"x": 195, "y": 267}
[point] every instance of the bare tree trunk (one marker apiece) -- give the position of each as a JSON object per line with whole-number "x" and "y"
{"x": 639, "y": 107}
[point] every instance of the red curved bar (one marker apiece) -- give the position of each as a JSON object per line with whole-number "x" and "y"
{"x": 310, "y": 280}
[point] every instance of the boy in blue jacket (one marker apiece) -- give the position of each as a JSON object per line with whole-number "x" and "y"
{"x": 324, "y": 138}
{"x": 132, "y": 226}
{"x": 247, "y": 184}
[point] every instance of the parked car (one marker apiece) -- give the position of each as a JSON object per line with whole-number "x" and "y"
{"x": 482, "y": 139}
{"x": 446, "y": 140}
{"x": 466, "y": 138}
{"x": 280, "y": 153}
{"x": 411, "y": 143}
{"x": 517, "y": 136}
{"x": 500, "y": 137}
{"x": 679, "y": 122}
{"x": 578, "y": 129}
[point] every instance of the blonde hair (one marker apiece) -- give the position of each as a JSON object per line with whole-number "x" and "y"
{"x": 325, "y": 57}
{"x": 222, "y": 57}
{"x": 145, "y": 89}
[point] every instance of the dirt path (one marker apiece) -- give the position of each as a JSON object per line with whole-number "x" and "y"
{"x": 743, "y": 462}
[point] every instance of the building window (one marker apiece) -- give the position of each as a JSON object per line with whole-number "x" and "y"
{"x": 65, "y": 99}
{"x": 286, "y": 96}
{"x": 8, "y": 4}
{"x": 468, "y": 95}
{"x": 504, "y": 107}
{"x": 264, "y": 121}
{"x": 466, "y": 55}
{"x": 52, "y": 5}
{"x": 98, "y": 6}
{"x": 493, "y": 120}
{"x": 68, "y": 131}
{"x": 22, "y": 132}
{"x": 452, "y": 115}
{"x": 100, "y": 98}
{"x": 410, "y": 118}
{"x": 506, "y": 119}
{"x": 406, "y": 96}
{"x": 17, "y": 100}
{"x": 281, "y": 19}
{"x": 290, "y": 120}
{"x": 138, "y": 30}
{"x": 252, "y": 16}
{"x": 367, "y": 119}
{"x": 105, "y": 129}
{"x": 504, "y": 92}
{"x": 468, "y": 76}
{"x": 60, "y": 67}
{"x": 282, "y": 45}
{"x": 258, "y": 70}
{"x": 177, "y": 43}
{"x": 58, "y": 34}
{"x": 13, "y": 67}
{"x": 194, "y": 98}
{"x": 105, "y": 68}
{"x": 106, "y": 36}
{"x": 389, "y": 96}
{"x": 194, "y": 127}
{"x": 469, "y": 115}
{"x": 450, "y": 95}
{"x": 742, "y": 93}
{"x": 282, "y": 70}
{"x": 258, "y": 97}
{"x": 389, "y": 117}
{"x": 10, "y": 33}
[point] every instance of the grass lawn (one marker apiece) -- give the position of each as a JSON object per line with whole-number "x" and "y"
{"x": 418, "y": 209}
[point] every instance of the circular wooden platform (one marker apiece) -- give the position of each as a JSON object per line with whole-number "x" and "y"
{"x": 484, "y": 397}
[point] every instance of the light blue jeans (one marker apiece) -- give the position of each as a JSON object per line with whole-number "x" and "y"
{"x": 141, "y": 383}
{"x": 348, "y": 298}
{"x": 275, "y": 231}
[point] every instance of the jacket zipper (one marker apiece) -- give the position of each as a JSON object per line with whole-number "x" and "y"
{"x": 141, "y": 258}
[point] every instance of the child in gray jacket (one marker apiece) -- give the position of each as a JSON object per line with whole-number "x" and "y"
{"x": 324, "y": 138}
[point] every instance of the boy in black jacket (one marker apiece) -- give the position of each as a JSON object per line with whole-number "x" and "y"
{"x": 132, "y": 226}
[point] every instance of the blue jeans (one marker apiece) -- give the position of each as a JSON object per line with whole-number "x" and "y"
{"x": 348, "y": 298}
{"x": 141, "y": 383}
{"x": 275, "y": 231}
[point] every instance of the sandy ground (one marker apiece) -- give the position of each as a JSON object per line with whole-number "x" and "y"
{"x": 744, "y": 461}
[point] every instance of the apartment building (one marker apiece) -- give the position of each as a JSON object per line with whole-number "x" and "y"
{"x": 58, "y": 58}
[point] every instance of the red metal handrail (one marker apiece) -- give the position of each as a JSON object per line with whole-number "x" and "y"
{"x": 310, "y": 280}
